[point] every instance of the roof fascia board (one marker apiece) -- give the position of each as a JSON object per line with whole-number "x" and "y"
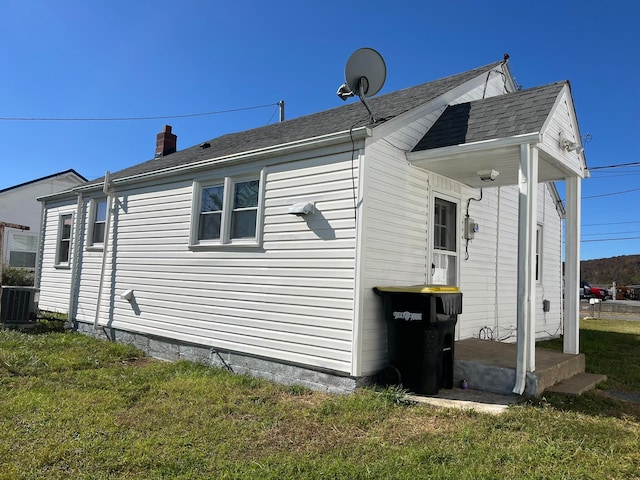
{"x": 574, "y": 121}
{"x": 282, "y": 149}
{"x": 494, "y": 143}
{"x": 553, "y": 109}
{"x": 509, "y": 77}
{"x": 58, "y": 195}
{"x": 556, "y": 198}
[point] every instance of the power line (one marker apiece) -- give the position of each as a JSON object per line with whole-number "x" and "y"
{"x": 608, "y": 223}
{"x": 632, "y": 164}
{"x": 609, "y": 239}
{"x": 612, "y": 193}
{"x": 609, "y": 233}
{"x": 120, "y": 119}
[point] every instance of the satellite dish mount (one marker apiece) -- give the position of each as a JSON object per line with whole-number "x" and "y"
{"x": 365, "y": 74}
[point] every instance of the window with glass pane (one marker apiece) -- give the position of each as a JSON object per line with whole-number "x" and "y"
{"x": 22, "y": 250}
{"x": 64, "y": 239}
{"x": 444, "y": 225}
{"x": 445, "y": 256}
{"x": 538, "y": 252}
{"x": 245, "y": 209}
{"x": 99, "y": 221}
{"x": 210, "y": 222}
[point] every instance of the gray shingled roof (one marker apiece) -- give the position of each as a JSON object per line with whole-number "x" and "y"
{"x": 338, "y": 119}
{"x": 495, "y": 117}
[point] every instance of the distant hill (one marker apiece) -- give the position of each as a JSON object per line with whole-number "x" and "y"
{"x": 624, "y": 270}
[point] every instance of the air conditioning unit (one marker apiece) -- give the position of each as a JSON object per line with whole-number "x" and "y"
{"x": 19, "y": 306}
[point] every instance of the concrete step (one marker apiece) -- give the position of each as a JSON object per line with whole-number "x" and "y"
{"x": 578, "y": 384}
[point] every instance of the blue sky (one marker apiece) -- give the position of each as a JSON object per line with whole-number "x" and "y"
{"x": 144, "y": 58}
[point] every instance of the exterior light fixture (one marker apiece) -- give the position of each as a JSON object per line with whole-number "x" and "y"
{"x": 488, "y": 175}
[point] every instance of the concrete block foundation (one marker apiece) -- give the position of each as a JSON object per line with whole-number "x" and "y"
{"x": 286, "y": 374}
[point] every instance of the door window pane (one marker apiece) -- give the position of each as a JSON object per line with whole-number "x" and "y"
{"x": 445, "y": 245}
{"x": 444, "y": 225}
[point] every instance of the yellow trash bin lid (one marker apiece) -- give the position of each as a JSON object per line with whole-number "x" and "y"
{"x": 419, "y": 289}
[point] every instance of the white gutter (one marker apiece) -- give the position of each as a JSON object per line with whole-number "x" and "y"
{"x": 105, "y": 247}
{"x": 445, "y": 152}
{"x": 75, "y": 251}
{"x": 250, "y": 155}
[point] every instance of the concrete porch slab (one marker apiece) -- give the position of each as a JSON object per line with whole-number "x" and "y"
{"x": 491, "y": 366}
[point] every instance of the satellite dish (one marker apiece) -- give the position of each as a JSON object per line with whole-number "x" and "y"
{"x": 365, "y": 70}
{"x": 365, "y": 74}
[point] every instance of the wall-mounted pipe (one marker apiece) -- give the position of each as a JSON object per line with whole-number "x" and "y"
{"x": 105, "y": 247}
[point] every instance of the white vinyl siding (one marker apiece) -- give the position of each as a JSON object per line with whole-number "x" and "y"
{"x": 397, "y": 213}
{"x": 55, "y": 278}
{"x": 489, "y": 278}
{"x": 290, "y": 299}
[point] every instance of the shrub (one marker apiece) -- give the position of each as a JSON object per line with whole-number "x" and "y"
{"x": 17, "y": 276}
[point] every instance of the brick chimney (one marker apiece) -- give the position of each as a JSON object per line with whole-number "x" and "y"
{"x": 166, "y": 142}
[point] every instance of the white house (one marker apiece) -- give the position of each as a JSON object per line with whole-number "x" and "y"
{"x": 205, "y": 253}
{"x": 19, "y": 208}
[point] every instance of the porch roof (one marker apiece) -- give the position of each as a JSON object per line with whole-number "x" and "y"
{"x": 487, "y": 134}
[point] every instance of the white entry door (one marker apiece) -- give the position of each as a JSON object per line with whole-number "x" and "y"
{"x": 444, "y": 268}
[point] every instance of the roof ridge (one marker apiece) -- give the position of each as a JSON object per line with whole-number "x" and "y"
{"x": 313, "y": 125}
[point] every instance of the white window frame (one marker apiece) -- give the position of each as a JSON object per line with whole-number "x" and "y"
{"x": 226, "y": 240}
{"x": 539, "y": 249}
{"x": 59, "y": 239}
{"x": 26, "y": 233}
{"x": 455, "y": 254}
{"x": 93, "y": 212}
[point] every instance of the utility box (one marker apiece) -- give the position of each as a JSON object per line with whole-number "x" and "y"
{"x": 421, "y": 322}
{"x": 19, "y": 306}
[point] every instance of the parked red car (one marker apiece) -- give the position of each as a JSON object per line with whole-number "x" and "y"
{"x": 587, "y": 291}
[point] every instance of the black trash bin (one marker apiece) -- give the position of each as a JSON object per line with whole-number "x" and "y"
{"x": 421, "y": 322}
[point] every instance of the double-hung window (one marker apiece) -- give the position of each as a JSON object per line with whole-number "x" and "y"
{"x": 22, "y": 250}
{"x": 63, "y": 251}
{"x": 98, "y": 221}
{"x": 226, "y": 211}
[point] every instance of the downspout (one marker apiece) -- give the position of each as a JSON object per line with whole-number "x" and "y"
{"x": 527, "y": 209}
{"x": 75, "y": 252}
{"x": 107, "y": 227}
{"x": 496, "y": 315}
{"x": 43, "y": 216}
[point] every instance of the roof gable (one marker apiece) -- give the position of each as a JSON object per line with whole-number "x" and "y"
{"x": 71, "y": 173}
{"x": 502, "y": 116}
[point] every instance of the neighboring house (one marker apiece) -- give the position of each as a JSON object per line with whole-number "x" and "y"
{"x": 200, "y": 254}
{"x": 19, "y": 208}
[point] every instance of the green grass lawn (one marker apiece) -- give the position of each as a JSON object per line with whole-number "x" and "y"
{"x": 74, "y": 407}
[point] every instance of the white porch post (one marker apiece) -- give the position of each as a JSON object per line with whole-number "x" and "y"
{"x": 571, "y": 341}
{"x": 527, "y": 221}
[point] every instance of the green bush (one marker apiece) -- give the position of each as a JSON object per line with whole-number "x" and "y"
{"x": 17, "y": 276}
